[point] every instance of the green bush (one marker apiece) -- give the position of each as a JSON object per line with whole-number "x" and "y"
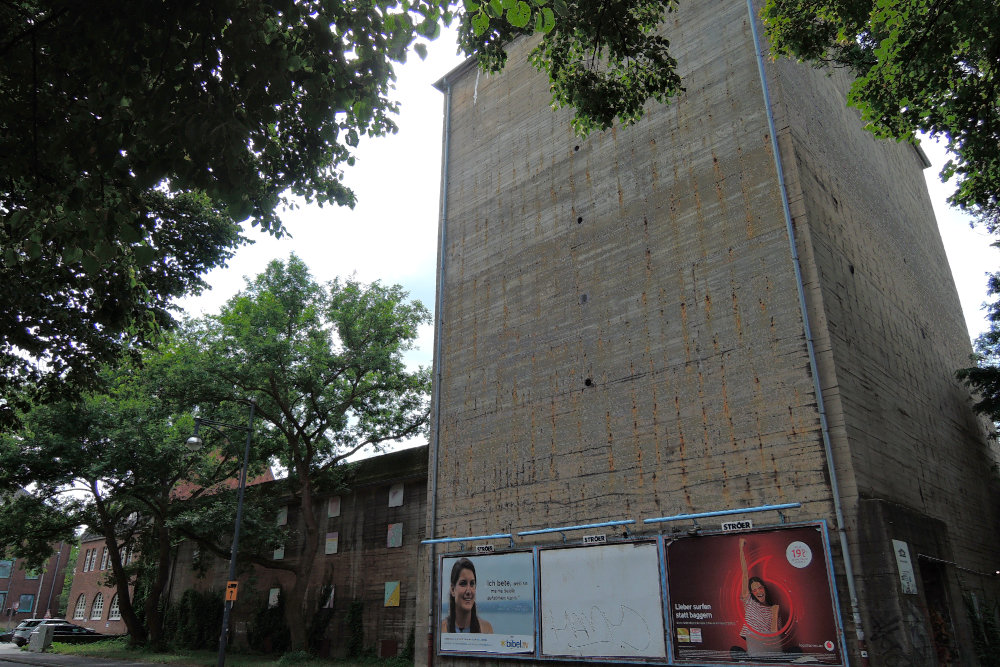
{"x": 319, "y": 622}
{"x": 985, "y": 633}
{"x": 355, "y": 629}
{"x": 410, "y": 648}
{"x": 194, "y": 621}
{"x": 268, "y": 632}
{"x": 295, "y": 658}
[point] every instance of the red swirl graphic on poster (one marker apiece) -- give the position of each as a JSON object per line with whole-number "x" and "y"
{"x": 763, "y": 596}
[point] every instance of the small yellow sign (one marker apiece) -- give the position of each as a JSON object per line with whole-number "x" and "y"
{"x": 231, "y": 588}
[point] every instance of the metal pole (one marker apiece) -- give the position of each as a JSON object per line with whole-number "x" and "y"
{"x": 224, "y": 635}
{"x": 55, "y": 575}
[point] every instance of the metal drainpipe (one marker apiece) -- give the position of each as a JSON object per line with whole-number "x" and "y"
{"x": 38, "y": 595}
{"x": 52, "y": 586}
{"x": 6, "y": 596}
{"x": 810, "y": 346}
{"x": 436, "y": 391}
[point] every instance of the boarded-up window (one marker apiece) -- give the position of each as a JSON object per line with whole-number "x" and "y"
{"x": 332, "y": 540}
{"x": 394, "y": 537}
{"x": 396, "y": 495}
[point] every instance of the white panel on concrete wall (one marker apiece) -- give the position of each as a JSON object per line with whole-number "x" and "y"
{"x": 602, "y": 602}
{"x": 333, "y": 507}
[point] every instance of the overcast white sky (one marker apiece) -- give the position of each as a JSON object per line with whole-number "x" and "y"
{"x": 391, "y": 235}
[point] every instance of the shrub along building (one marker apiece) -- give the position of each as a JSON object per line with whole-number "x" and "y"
{"x": 363, "y": 595}
{"x": 716, "y": 345}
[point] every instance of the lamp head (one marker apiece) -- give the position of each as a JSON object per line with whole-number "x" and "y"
{"x": 194, "y": 443}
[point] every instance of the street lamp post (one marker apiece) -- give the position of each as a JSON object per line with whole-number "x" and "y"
{"x": 195, "y": 443}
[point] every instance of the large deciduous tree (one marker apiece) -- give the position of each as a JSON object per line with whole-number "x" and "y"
{"x": 133, "y": 136}
{"x": 929, "y": 66}
{"x": 113, "y": 461}
{"x": 325, "y": 365}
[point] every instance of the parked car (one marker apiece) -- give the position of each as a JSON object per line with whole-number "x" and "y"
{"x": 69, "y": 633}
{"x": 22, "y": 632}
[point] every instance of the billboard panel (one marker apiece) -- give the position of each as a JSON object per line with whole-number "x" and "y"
{"x": 763, "y": 595}
{"x": 488, "y": 603}
{"x": 602, "y": 601}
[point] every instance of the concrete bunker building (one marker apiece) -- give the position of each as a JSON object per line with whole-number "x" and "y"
{"x": 740, "y": 303}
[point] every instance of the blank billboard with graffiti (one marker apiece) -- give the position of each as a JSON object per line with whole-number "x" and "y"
{"x": 602, "y": 602}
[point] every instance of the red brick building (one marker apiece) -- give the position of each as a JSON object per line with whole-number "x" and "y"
{"x": 92, "y": 602}
{"x": 28, "y": 593}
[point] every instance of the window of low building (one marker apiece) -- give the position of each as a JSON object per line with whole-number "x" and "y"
{"x": 26, "y": 603}
{"x": 80, "y": 611}
{"x": 97, "y": 609}
{"x": 114, "y": 612}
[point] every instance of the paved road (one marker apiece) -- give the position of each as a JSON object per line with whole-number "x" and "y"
{"x": 12, "y": 655}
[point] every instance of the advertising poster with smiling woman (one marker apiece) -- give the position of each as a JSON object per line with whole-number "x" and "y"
{"x": 488, "y": 604}
{"x": 760, "y": 596}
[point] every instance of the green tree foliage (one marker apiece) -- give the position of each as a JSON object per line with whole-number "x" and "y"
{"x": 604, "y": 58}
{"x": 324, "y": 364}
{"x": 929, "y": 66}
{"x": 984, "y": 377}
{"x": 133, "y": 137}
{"x": 194, "y": 621}
{"x": 923, "y": 66}
{"x": 112, "y": 461}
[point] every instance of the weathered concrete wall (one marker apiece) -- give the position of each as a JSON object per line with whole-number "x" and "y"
{"x": 621, "y": 330}
{"x": 891, "y": 337}
{"x": 622, "y": 335}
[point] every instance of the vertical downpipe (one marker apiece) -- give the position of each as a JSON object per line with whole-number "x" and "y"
{"x": 445, "y": 87}
{"x": 55, "y": 573}
{"x": 810, "y": 345}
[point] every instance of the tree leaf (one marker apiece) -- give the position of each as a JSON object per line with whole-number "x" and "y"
{"x": 480, "y": 23}
{"x": 519, "y": 14}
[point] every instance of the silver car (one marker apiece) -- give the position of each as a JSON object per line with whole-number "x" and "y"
{"x": 22, "y": 633}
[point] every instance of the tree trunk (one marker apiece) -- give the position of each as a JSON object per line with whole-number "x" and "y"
{"x": 136, "y": 631}
{"x": 295, "y": 607}
{"x": 151, "y": 606}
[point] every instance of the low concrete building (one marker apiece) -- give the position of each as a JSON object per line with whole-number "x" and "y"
{"x": 367, "y": 556}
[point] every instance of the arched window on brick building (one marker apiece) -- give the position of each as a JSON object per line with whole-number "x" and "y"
{"x": 97, "y": 609}
{"x": 114, "y": 612}
{"x": 80, "y": 612}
